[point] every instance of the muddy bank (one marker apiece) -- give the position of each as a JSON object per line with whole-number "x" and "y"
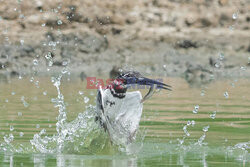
{"x": 206, "y": 40}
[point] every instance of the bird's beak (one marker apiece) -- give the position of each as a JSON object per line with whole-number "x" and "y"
{"x": 149, "y": 82}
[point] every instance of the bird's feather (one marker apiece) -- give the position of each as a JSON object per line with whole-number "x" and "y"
{"x": 121, "y": 117}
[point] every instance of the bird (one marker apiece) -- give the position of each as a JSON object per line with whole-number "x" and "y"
{"x": 118, "y": 111}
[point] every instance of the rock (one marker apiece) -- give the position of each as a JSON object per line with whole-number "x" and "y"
{"x": 104, "y": 20}
{"x": 34, "y": 19}
{"x": 26, "y": 51}
{"x": 212, "y": 62}
{"x": 223, "y": 2}
{"x": 116, "y": 31}
{"x": 187, "y": 44}
{"x": 73, "y": 16}
{"x": 160, "y": 4}
{"x": 197, "y": 75}
{"x": 189, "y": 21}
{"x": 14, "y": 73}
{"x": 9, "y": 10}
{"x": 248, "y": 18}
{"x": 39, "y": 4}
{"x": 51, "y": 19}
{"x": 205, "y": 22}
{"x": 91, "y": 43}
{"x": 224, "y": 18}
{"x": 117, "y": 19}
{"x": 57, "y": 63}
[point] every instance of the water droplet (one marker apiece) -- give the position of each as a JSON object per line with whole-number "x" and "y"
{"x": 9, "y": 138}
{"x": 201, "y": 139}
{"x": 59, "y": 22}
{"x": 185, "y": 130}
{"x": 213, "y": 115}
{"x": 193, "y": 123}
{"x": 19, "y": 114}
{"x": 217, "y": 65}
{"x": 48, "y": 56}
{"x": 65, "y": 62}
{"x": 21, "y": 16}
{"x": 196, "y": 109}
{"x": 50, "y": 63}
{"x": 226, "y": 95}
{"x": 86, "y": 99}
{"x": 25, "y": 104}
{"x": 11, "y": 128}
{"x": 21, "y": 134}
{"x": 221, "y": 55}
{"x": 81, "y": 92}
{"x": 231, "y": 27}
{"x": 205, "y": 128}
{"x": 243, "y": 68}
{"x": 21, "y": 41}
{"x": 64, "y": 70}
{"x": 235, "y": 16}
{"x": 31, "y": 79}
{"x": 35, "y": 62}
{"x": 233, "y": 85}
{"x": 202, "y": 93}
{"x": 37, "y": 84}
{"x": 180, "y": 141}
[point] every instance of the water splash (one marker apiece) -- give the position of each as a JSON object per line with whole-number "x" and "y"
{"x": 235, "y": 16}
{"x": 86, "y": 99}
{"x": 213, "y": 115}
{"x": 25, "y": 104}
{"x": 243, "y": 146}
{"x": 80, "y": 92}
{"x": 74, "y": 137}
{"x": 196, "y": 109}
{"x": 226, "y": 95}
{"x": 11, "y": 127}
{"x": 202, "y": 138}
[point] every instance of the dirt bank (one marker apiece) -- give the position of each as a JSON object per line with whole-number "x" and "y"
{"x": 197, "y": 39}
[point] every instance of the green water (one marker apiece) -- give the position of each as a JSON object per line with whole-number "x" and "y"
{"x": 167, "y": 136}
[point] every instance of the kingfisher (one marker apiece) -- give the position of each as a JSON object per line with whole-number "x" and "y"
{"x": 118, "y": 111}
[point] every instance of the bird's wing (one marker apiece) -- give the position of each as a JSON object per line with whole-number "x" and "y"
{"x": 119, "y": 117}
{"x": 100, "y": 109}
{"x": 99, "y": 101}
{"x": 102, "y": 118}
{"x": 123, "y": 117}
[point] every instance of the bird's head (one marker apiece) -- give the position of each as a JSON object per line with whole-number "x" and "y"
{"x": 128, "y": 78}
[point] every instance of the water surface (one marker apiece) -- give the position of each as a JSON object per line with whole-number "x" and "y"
{"x": 205, "y": 126}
